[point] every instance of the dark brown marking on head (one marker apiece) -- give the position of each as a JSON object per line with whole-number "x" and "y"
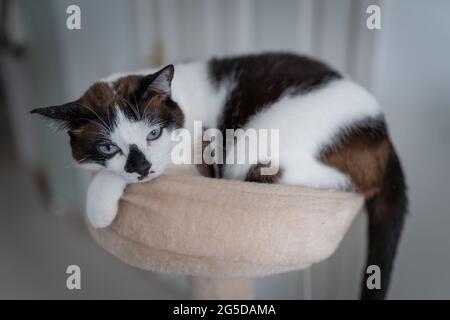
{"x": 361, "y": 152}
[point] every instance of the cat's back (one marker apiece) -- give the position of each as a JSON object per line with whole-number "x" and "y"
{"x": 270, "y": 74}
{"x": 261, "y": 82}
{"x": 307, "y": 101}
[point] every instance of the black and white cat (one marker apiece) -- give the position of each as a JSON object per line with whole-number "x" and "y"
{"x": 332, "y": 134}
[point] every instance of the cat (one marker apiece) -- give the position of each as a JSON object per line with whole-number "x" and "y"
{"x": 332, "y": 134}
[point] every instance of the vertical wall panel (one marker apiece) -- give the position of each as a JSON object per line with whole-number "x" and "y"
{"x": 213, "y": 27}
{"x": 168, "y": 29}
{"x": 305, "y": 23}
{"x": 241, "y": 26}
{"x": 190, "y": 23}
{"x": 333, "y": 32}
{"x": 147, "y": 31}
{"x": 276, "y": 25}
{"x": 365, "y": 62}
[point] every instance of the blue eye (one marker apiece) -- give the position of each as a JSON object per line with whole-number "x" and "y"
{"x": 108, "y": 149}
{"x": 154, "y": 134}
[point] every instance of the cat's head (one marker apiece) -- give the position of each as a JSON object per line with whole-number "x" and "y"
{"x": 123, "y": 126}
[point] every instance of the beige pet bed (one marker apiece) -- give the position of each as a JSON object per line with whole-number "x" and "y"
{"x": 223, "y": 231}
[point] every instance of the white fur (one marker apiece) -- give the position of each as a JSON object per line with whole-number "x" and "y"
{"x": 103, "y": 196}
{"x": 196, "y": 96}
{"x": 128, "y": 132}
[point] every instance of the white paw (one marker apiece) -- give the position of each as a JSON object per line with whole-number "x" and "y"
{"x": 101, "y": 213}
{"x": 103, "y": 197}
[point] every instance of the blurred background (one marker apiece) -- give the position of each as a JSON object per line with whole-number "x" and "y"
{"x": 42, "y": 229}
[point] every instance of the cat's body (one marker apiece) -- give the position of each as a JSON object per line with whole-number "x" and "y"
{"x": 332, "y": 133}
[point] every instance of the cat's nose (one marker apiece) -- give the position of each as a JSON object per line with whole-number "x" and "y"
{"x": 137, "y": 162}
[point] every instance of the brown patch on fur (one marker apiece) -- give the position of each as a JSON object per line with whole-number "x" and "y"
{"x": 99, "y": 95}
{"x": 366, "y": 155}
{"x": 102, "y": 96}
{"x": 83, "y": 141}
{"x": 254, "y": 175}
{"x": 127, "y": 85}
{"x": 362, "y": 154}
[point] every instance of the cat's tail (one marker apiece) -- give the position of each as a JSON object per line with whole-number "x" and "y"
{"x": 386, "y": 213}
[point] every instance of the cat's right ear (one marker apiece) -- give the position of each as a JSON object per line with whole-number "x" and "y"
{"x": 157, "y": 83}
{"x": 63, "y": 116}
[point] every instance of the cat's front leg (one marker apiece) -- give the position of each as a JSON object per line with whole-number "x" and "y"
{"x": 103, "y": 197}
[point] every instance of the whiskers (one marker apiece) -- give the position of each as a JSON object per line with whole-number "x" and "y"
{"x": 133, "y": 108}
{"x": 101, "y": 122}
{"x": 145, "y": 109}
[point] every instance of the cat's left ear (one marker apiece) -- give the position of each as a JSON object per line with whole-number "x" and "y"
{"x": 157, "y": 83}
{"x": 64, "y": 116}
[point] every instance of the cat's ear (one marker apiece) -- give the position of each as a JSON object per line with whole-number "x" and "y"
{"x": 63, "y": 116}
{"x": 157, "y": 83}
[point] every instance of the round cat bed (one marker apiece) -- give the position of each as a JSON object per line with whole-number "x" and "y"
{"x": 221, "y": 231}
